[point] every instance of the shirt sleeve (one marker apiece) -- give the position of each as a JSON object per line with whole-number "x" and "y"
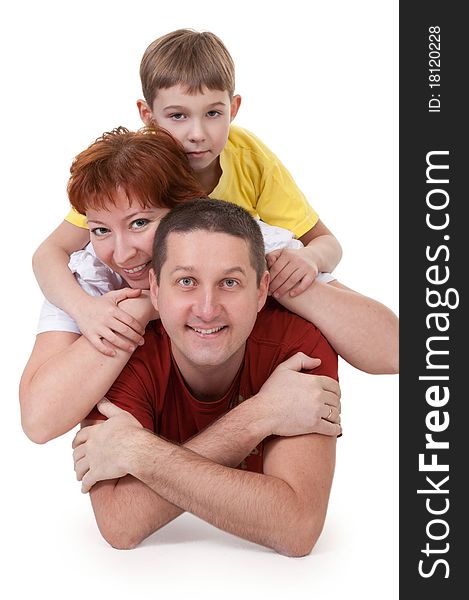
{"x": 314, "y": 344}
{"x": 94, "y": 277}
{"x": 75, "y": 218}
{"x": 281, "y": 202}
{"x": 132, "y": 392}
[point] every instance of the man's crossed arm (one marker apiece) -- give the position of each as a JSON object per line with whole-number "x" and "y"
{"x": 284, "y": 508}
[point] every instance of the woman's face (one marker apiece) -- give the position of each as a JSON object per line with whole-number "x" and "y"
{"x": 122, "y": 237}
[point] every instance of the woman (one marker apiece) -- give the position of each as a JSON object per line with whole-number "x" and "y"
{"x": 124, "y": 183}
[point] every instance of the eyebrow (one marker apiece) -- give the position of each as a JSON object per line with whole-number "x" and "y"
{"x": 181, "y": 108}
{"x": 129, "y": 218}
{"x": 190, "y": 269}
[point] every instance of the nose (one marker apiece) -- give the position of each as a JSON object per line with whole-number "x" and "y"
{"x": 207, "y": 306}
{"x": 124, "y": 250}
{"x": 196, "y": 131}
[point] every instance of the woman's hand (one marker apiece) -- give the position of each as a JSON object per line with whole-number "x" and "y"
{"x": 106, "y": 325}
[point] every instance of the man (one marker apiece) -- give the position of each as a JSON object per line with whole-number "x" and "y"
{"x": 217, "y": 385}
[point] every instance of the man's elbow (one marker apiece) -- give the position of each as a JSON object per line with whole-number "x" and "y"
{"x": 116, "y": 521}
{"x": 301, "y": 540}
{"x": 121, "y": 540}
{"x": 118, "y": 535}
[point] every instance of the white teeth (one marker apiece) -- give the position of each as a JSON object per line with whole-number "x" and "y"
{"x": 136, "y": 269}
{"x": 207, "y": 331}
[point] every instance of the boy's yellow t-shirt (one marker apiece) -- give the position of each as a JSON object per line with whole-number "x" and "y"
{"x": 254, "y": 178}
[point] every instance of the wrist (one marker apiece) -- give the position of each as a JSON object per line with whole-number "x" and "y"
{"x": 261, "y": 417}
{"x": 140, "y": 308}
{"x": 142, "y": 452}
{"x": 311, "y": 251}
{"x": 74, "y": 301}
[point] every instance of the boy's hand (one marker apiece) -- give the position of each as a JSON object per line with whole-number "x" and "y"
{"x": 107, "y": 326}
{"x": 291, "y": 271}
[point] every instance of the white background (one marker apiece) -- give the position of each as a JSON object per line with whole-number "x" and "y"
{"x": 320, "y": 88}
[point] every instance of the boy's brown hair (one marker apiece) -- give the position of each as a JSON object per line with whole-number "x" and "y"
{"x": 187, "y": 57}
{"x": 148, "y": 164}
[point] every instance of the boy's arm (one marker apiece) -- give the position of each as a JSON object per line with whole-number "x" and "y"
{"x": 292, "y": 271}
{"x": 66, "y": 376}
{"x": 50, "y": 266}
{"x": 225, "y": 442}
{"x": 98, "y": 318}
{"x": 325, "y": 248}
{"x": 362, "y": 331}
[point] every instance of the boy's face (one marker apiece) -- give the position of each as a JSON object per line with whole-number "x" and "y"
{"x": 199, "y": 121}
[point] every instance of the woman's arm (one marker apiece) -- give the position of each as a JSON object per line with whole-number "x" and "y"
{"x": 66, "y": 376}
{"x": 363, "y": 331}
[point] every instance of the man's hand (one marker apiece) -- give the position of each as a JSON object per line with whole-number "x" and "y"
{"x": 106, "y": 325}
{"x": 101, "y": 450}
{"x": 291, "y": 271}
{"x": 299, "y": 403}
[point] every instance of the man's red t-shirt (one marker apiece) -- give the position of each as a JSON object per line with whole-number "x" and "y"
{"x": 152, "y": 389}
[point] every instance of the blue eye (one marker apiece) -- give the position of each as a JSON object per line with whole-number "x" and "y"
{"x": 186, "y": 282}
{"x": 177, "y": 116}
{"x": 230, "y": 283}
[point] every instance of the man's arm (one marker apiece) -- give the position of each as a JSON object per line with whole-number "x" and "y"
{"x": 284, "y": 508}
{"x": 127, "y": 511}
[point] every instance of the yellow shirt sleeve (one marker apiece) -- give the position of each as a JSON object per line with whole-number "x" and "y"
{"x": 75, "y": 218}
{"x": 254, "y": 178}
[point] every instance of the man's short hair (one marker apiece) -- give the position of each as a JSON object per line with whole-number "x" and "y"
{"x": 148, "y": 164}
{"x": 216, "y": 216}
{"x": 194, "y": 59}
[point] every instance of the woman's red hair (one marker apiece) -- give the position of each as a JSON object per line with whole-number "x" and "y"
{"x": 149, "y": 165}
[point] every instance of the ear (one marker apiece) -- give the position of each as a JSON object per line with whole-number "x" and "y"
{"x": 235, "y": 104}
{"x": 144, "y": 111}
{"x": 263, "y": 290}
{"x": 153, "y": 288}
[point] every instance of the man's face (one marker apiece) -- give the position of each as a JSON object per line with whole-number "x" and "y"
{"x": 199, "y": 121}
{"x": 208, "y": 299}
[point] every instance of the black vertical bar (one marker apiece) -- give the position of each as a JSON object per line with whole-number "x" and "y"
{"x": 434, "y": 393}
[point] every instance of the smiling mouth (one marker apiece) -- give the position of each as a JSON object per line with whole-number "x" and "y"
{"x": 136, "y": 269}
{"x": 211, "y": 331}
